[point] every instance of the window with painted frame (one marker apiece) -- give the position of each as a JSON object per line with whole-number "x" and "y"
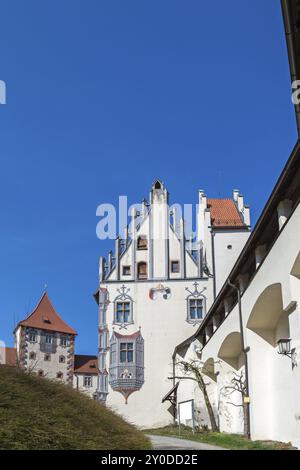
{"x": 123, "y": 312}
{"x": 195, "y": 309}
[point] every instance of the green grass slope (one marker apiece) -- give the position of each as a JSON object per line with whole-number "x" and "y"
{"x": 36, "y": 413}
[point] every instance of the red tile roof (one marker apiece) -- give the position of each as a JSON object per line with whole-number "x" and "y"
{"x": 85, "y": 364}
{"x": 11, "y": 356}
{"x": 45, "y": 317}
{"x": 224, "y": 213}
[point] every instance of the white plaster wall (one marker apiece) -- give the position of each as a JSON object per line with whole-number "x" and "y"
{"x": 78, "y": 384}
{"x": 274, "y": 385}
{"x": 163, "y": 325}
{"x": 225, "y": 257}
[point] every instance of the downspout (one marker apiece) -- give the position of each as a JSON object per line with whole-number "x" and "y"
{"x": 174, "y": 371}
{"x": 245, "y": 351}
{"x": 213, "y": 262}
{"x": 290, "y": 40}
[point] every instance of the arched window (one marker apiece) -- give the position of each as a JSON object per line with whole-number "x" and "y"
{"x": 32, "y": 355}
{"x": 62, "y": 359}
{"x": 142, "y": 270}
{"x": 41, "y": 373}
{"x": 142, "y": 243}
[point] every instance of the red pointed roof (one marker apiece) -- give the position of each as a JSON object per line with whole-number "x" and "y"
{"x": 224, "y": 213}
{"x": 45, "y": 317}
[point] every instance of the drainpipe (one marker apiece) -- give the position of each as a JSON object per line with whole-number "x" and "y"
{"x": 245, "y": 351}
{"x": 213, "y": 262}
{"x": 174, "y": 381}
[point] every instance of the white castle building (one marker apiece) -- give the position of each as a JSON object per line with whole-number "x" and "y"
{"x": 154, "y": 291}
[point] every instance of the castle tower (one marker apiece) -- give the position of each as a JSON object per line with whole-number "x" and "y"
{"x": 45, "y": 343}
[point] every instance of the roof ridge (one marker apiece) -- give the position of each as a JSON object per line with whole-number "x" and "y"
{"x": 38, "y": 316}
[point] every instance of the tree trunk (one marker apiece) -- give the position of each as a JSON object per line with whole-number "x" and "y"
{"x": 202, "y": 386}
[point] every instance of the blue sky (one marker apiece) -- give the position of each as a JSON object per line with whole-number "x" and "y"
{"x": 105, "y": 96}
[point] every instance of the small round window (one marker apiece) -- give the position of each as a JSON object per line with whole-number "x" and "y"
{"x": 229, "y": 247}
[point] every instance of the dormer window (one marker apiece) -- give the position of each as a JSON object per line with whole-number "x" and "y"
{"x": 142, "y": 270}
{"x": 142, "y": 243}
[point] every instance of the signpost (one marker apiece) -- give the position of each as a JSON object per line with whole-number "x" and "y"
{"x": 186, "y": 414}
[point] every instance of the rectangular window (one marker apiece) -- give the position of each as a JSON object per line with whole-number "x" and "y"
{"x": 126, "y": 352}
{"x": 175, "y": 266}
{"x": 123, "y": 312}
{"x": 142, "y": 243}
{"x": 64, "y": 341}
{"x": 47, "y": 357}
{"x": 32, "y": 337}
{"x": 195, "y": 309}
{"x": 142, "y": 270}
{"x": 126, "y": 270}
{"x": 87, "y": 381}
{"x": 49, "y": 339}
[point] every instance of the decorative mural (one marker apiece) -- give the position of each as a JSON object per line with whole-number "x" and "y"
{"x": 160, "y": 289}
